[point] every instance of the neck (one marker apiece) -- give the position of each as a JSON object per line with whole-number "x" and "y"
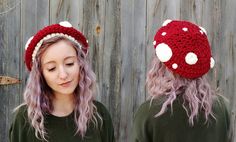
{"x": 63, "y": 105}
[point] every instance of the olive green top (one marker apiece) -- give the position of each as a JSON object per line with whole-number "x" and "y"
{"x": 62, "y": 129}
{"x": 173, "y": 126}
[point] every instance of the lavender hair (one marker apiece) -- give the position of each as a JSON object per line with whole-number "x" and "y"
{"x": 38, "y": 95}
{"x": 197, "y": 93}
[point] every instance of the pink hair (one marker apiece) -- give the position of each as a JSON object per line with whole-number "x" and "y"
{"x": 38, "y": 95}
{"x": 197, "y": 94}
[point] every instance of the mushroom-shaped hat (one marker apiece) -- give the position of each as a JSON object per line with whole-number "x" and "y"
{"x": 184, "y": 48}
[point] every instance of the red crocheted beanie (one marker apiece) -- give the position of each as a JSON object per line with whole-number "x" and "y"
{"x": 184, "y": 48}
{"x": 63, "y": 29}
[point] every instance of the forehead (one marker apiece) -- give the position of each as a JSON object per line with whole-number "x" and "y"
{"x": 58, "y": 51}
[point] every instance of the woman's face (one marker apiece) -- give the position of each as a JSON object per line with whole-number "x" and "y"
{"x": 60, "y": 68}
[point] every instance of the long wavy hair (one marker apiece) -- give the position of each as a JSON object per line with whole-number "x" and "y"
{"x": 38, "y": 95}
{"x": 197, "y": 94}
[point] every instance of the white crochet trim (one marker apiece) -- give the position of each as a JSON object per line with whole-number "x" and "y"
{"x": 50, "y": 36}
{"x": 28, "y": 42}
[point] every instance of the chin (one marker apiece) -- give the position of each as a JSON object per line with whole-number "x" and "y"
{"x": 66, "y": 91}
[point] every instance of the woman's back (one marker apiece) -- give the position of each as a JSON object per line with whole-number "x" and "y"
{"x": 173, "y": 125}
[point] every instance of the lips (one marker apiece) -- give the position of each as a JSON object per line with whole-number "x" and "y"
{"x": 65, "y": 84}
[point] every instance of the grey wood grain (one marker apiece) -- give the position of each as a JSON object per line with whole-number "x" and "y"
{"x": 9, "y": 62}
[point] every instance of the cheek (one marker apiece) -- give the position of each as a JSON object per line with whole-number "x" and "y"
{"x": 48, "y": 78}
{"x": 77, "y": 73}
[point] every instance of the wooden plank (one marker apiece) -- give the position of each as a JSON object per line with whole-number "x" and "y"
{"x": 133, "y": 47}
{"x": 3, "y": 59}
{"x": 63, "y": 10}
{"x": 58, "y": 11}
{"x": 212, "y": 25}
{"x": 226, "y": 50}
{"x": 93, "y": 26}
{"x": 186, "y": 9}
{"x": 9, "y": 63}
{"x": 127, "y": 44}
{"x": 13, "y": 55}
{"x": 42, "y": 17}
{"x": 76, "y": 13}
{"x": 112, "y": 61}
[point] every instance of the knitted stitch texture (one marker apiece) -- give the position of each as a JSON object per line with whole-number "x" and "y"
{"x": 184, "y": 48}
{"x": 51, "y": 31}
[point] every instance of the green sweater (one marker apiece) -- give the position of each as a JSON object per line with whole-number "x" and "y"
{"x": 174, "y": 127}
{"x": 62, "y": 129}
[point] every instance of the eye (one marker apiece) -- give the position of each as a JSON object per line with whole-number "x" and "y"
{"x": 51, "y": 69}
{"x": 70, "y": 64}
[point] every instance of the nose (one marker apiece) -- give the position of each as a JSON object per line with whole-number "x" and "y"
{"x": 63, "y": 73}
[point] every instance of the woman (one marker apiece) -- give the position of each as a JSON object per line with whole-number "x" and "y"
{"x": 59, "y": 103}
{"x": 182, "y": 106}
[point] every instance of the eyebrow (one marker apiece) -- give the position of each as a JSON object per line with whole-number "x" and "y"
{"x": 64, "y": 59}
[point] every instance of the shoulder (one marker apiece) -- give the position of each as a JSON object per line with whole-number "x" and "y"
{"x": 222, "y": 112}
{"x": 101, "y": 109}
{"x": 20, "y": 120}
{"x": 20, "y": 113}
{"x": 143, "y": 109}
{"x": 222, "y": 99}
{"x": 145, "y": 121}
{"x": 107, "y": 131}
{"x": 145, "y": 114}
{"x": 148, "y": 109}
{"x": 220, "y": 107}
{"x": 99, "y": 105}
{"x": 220, "y": 102}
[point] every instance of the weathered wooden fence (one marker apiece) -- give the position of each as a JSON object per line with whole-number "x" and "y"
{"x": 120, "y": 34}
